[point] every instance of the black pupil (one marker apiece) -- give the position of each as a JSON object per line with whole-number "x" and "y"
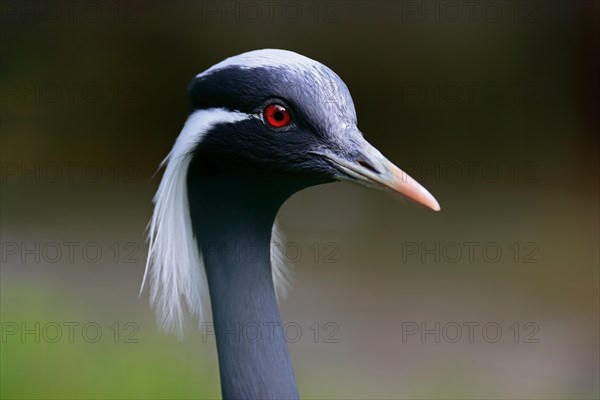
{"x": 278, "y": 115}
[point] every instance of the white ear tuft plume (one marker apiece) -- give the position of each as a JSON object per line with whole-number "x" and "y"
{"x": 174, "y": 268}
{"x": 282, "y": 272}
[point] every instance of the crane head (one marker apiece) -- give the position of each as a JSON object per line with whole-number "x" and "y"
{"x": 290, "y": 118}
{"x": 266, "y": 124}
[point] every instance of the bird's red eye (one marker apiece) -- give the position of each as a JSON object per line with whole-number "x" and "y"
{"x": 277, "y": 115}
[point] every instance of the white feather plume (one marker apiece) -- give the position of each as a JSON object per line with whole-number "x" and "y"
{"x": 174, "y": 268}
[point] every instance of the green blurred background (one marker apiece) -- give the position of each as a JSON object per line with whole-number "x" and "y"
{"x": 491, "y": 105}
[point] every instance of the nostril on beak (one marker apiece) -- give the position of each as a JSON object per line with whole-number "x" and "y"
{"x": 368, "y": 166}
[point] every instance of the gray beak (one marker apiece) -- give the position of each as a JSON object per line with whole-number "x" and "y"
{"x": 369, "y": 167}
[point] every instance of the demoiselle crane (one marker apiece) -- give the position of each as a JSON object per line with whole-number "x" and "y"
{"x": 265, "y": 124}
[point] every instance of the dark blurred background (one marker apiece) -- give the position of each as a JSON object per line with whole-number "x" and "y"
{"x": 491, "y": 105}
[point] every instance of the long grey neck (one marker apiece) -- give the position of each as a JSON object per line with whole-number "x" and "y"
{"x": 234, "y": 238}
